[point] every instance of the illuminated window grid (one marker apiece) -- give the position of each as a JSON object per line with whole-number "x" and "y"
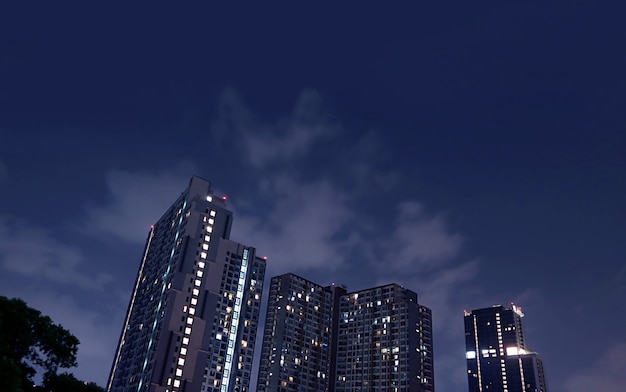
{"x": 232, "y": 335}
{"x": 191, "y": 310}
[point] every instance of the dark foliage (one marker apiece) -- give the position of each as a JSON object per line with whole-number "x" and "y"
{"x": 31, "y": 342}
{"x": 68, "y": 383}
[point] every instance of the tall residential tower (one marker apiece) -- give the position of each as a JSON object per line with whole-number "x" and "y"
{"x": 497, "y": 357}
{"x": 192, "y": 318}
{"x": 296, "y": 351}
{"x": 321, "y": 339}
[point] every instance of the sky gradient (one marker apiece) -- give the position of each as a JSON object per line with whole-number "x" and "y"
{"x": 474, "y": 153}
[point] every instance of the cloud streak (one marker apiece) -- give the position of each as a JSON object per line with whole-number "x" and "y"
{"x": 33, "y": 252}
{"x": 268, "y": 144}
{"x": 136, "y": 199}
{"x": 605, "y": 374}
{"x": 419, "y": 241}
{"x": 302, "y": 230}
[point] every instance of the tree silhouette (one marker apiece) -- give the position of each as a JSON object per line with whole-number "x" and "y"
{"x": 30, "y": 341}
{"x": 68, "y": 383}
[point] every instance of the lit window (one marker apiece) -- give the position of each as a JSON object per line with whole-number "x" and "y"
{"x": 205, "y": 246}
{"x": 185, "y": 340}
{"x": 189, "y": 320}
{"x": 199, "y": 274}
{"x": 196, "y": 292}
{"x": 212, "y": 213}
{"x": 194, "y": 301}
{"x": 211, "y": 221}
{"x": 192, "y": 311}
{"x": 198, "y": 282}
{"x": 209, "y": 229}
{"x": 181, "y": 361}
{"x": 179, "y": 372}
{"x": 209, "y": 198}
{"x": 207, "y": 238}
{"x": 187, "y": 331}
{"x": 203, "y": 255}
{"x": 201, "y": 264}
{"x": 515, "y": 351}
{"x": 183, "y": 351}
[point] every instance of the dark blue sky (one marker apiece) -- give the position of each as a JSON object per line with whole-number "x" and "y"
{"x": 474, "y": 153}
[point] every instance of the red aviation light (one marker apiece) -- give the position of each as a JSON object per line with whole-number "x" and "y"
{"x": 224, "y": 197}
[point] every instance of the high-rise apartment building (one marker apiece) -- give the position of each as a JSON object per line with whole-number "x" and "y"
{"x": 192, "y": 318}
{"x": 497, "y": 357}
{"x": 385, "y": 342}
{"x": 296, "y": 353}
{"x": 325, "y": 339}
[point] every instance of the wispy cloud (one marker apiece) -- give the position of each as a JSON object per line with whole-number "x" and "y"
{"x": 605, "y": 374}
{"x": 364, "y": 164}
{"x": 303, "y": 228}
{"x": 418, "y": 241}
{"x": 268, "y": 143}
{"x": 317, "y": 223}
{"x": 33, "y": 252}
{"x": 135, "y": 199}
{"x": 301, "y": 225}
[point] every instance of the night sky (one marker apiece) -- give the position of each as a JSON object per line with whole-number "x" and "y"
{"x": 474, "y": 152}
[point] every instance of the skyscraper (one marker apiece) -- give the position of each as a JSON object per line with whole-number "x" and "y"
{"x": 385, "y": 342}
{"x": 192, "y": 318}
{"x": 496, "y": 353}
{"x": 324, "y": 339}
{"x": 296, "y": 352}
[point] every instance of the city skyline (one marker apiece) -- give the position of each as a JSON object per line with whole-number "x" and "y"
{"x": 473, "y": 153}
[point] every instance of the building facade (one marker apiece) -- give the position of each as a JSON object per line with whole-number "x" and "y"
{"x": 192, "y": 318}
{"x": 324, "y": 339}
{"x": 385, "y": 342}
{"x": 296, "y": 350}
{"x": 496, "y": 353}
